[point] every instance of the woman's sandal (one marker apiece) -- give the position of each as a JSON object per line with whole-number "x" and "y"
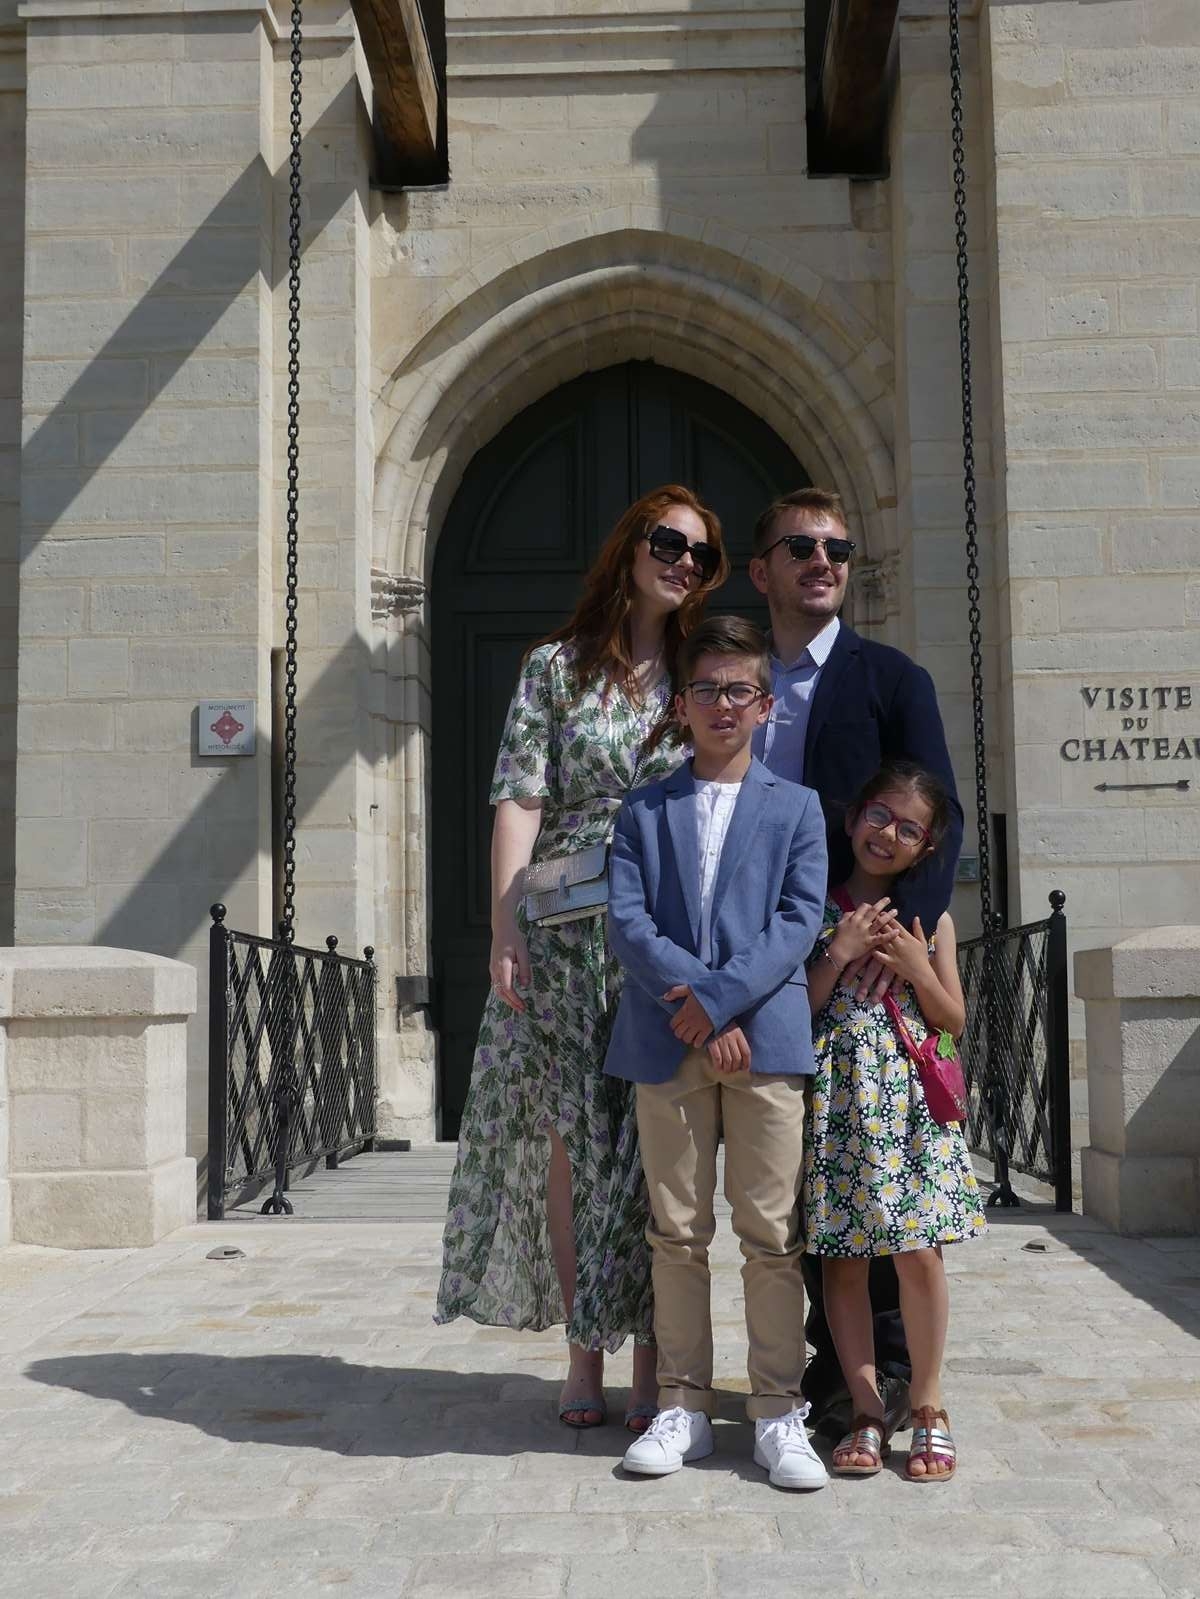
{"x": 643, "y": 1413}
{"x": 931, "y": 1443}
{"x": 580, "y": 1407}
{"x": 867, "y": 1436}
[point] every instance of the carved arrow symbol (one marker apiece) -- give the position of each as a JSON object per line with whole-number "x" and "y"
{"x": 1182, "y": 784}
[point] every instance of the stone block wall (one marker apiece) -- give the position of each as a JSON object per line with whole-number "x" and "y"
{"x": 1097, "y": 229}
{"x": 931, "y": 575}
{"x": 12, "y": 278}
{"x": 337, "y": 760}
{"x": 147, "y": 476}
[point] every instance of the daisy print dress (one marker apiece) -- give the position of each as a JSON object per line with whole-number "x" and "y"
{"x": 543, "y": 1069}
{"x": 880, "y": 1175}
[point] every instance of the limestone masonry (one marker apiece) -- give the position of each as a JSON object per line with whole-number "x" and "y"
{"x": 627, "y": 182}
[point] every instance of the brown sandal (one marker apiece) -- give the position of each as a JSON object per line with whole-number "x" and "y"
{"x": 867, "y": 1436}
{"x": 931, "y": 1443}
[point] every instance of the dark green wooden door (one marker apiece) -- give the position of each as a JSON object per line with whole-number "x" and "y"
{"x": 534, "y": 507}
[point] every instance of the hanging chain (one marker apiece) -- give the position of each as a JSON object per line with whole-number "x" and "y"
{"x": 968, "y": 435}
{"x": 287, "y": 925}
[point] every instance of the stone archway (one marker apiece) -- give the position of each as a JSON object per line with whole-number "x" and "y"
{"x": 811, "y": 374}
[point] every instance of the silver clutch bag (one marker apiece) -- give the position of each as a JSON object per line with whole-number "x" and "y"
{"x": 566, "y": 888}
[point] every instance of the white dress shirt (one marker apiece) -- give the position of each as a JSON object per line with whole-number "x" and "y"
{"x": 780, "y": 744}
{"x": 714, "y": 810}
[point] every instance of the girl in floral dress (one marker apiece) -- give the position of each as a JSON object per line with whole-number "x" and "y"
{"x": 548, "y": 1208}
{"x": 881, "y": 1177}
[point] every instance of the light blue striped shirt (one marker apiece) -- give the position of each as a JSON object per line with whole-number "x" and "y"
{"x": 779, "y": 745}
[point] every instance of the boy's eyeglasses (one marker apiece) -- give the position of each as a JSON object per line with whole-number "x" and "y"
{"x": 740, "y": 695}
{"x": 879, "y": 816}
{"x": 802, "y": 547}
{"x": 668, "y": 545}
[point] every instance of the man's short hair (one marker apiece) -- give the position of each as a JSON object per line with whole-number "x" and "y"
{"x": 823, "y": 503}
{"x": 724, "y": 635}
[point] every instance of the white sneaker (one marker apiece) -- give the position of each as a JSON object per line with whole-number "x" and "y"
{"x": 781, "y": 1445}
{"x": 673, "y": 1438}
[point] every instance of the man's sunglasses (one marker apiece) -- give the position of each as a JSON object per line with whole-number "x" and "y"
{"x": 802, "y": 547}
{"x": 878, "y": 815}
{"x": 668, "y": 546}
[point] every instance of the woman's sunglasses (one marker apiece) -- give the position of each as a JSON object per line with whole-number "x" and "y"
{"x": 879, "y": 816}
{"x": 802, "y": 547}
{"x": 668, "y": 546}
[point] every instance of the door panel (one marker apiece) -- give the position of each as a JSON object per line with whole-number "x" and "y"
{"x": 533, "y": 508}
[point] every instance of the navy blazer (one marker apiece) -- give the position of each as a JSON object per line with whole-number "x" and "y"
{"x": 767, "y": 906}
{"x": 872, "y": 703}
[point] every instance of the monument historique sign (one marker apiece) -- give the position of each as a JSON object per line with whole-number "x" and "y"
{"x": 1138, "y": 732}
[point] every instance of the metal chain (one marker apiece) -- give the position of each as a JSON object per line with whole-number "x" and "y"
{"x": 287, "y": 925}
{"x": 968, "y": 435}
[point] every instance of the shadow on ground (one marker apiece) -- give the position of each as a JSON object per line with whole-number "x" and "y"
{"x": 323, "y": 1402}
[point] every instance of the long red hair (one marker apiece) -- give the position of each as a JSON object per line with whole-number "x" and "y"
{"x": 599, "y": 629}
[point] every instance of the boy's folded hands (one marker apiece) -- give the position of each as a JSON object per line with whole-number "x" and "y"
{"x": 729, "y": 1051}
{"x": 691, "y": 1023}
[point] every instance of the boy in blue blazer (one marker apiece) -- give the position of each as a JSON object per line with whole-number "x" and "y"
{"x": 717, "y": 885}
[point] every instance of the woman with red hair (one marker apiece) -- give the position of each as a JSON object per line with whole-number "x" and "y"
{"x": 547, "y": 1213}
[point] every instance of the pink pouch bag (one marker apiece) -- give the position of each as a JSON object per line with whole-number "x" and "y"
{"x": 938, "y": 1067}
{"x": 936, "y": 1060}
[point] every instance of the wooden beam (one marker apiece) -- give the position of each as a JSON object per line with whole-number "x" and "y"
{"x": 856, "y": 86}
{"x": 405, "y": 78}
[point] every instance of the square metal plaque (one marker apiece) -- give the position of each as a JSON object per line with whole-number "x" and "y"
{"x": 226, "y": 727}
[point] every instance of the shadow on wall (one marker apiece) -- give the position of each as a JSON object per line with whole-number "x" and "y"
{"x": 168, "y": 326}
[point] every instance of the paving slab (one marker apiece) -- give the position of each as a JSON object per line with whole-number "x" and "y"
{"x": 292, "y": 1422}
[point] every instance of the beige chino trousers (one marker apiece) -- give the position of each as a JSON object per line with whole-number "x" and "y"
{"x": 679, "y": 1123}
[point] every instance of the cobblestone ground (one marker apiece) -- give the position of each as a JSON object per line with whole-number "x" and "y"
{"x": 291, "y": 1423}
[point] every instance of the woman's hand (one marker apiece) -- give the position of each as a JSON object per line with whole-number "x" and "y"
{"x": 906, "y": 954}
{"x": 509, "y": 965}
{"x": 862, "y": 932}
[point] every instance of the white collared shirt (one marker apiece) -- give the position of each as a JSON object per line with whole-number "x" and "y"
{"x": 780, "y": 744}
{"x": 714, "y": 811}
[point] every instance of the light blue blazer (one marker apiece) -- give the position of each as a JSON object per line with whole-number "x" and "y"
{"x": 766, "y": 913}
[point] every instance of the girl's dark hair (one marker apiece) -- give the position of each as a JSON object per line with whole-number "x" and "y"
{"x": 908, "y": 776}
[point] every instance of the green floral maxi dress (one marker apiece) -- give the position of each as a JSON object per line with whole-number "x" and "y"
{"x": 880, "y": 1175}
{"x": 544, "y": 1069}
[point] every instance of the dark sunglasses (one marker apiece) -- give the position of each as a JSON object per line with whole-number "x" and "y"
{"x": 802, "y": 547}
{"x": 668, "y": 546}
{"x": 878, "y": 815}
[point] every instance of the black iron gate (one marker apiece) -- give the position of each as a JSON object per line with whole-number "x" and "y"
{"x": 1016, "y": 1053}
{"x": 291, "y": 1070}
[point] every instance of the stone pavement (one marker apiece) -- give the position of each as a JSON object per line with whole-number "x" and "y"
{"x": 291, "y": 1423}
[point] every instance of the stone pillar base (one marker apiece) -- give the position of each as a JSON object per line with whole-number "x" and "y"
{"x": 105, "y": 1209}
{"x": 1140, "y": 1194}
{"x": 1142, "y": 1000}
{"x": 93, "y": 1096}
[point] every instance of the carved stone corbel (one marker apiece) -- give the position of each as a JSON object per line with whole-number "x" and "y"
{"x": 396, "y": 595}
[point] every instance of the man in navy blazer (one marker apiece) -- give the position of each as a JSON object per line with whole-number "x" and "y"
{"x": 716, "y": 894}
{"x": 842, "y": 706}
